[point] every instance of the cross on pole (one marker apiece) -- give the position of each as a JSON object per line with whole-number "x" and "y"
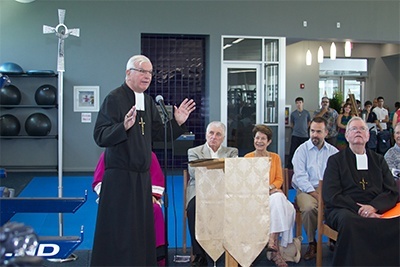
{"x": 62, "y": 32}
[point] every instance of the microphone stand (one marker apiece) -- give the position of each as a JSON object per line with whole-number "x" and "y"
{"x": 166, "y": 119}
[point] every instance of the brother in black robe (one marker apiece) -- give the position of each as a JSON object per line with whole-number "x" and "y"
{"x": 124, "y": 233}
{"x": 361, "y": 241}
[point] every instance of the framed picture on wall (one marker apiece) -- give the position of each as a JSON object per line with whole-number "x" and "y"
{"x": 86, "y": 98}
{"x": 288, "y": 110}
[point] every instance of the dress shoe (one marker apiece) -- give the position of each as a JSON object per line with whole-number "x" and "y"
{"x": 311, "y": 251}
{"x": 199, "y": 261}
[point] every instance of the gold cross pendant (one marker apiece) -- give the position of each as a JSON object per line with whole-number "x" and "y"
{"x": 363, "y": 183}
{"x": 142, "y": 123}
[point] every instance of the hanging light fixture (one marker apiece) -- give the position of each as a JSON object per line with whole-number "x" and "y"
{"x": 347, "y": 49}
{"x": 320, "y": 55}
{"x": 308, "y": 57}
{"x": 333, "y": 51}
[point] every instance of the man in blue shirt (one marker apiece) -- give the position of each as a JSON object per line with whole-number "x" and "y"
{"x": 309, "y": 162}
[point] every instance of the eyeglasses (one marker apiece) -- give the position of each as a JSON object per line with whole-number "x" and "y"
{"x": 325, "y": 101}
{"x": 355, "y": 129}
{"x": 142, "y": 71}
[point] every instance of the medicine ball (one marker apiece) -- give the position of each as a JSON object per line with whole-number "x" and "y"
{"x": 38, "y": 124}
{"x": 10, "y": 95}
{"x": 10, "y": 67}
{"x": 46, "y": 95}
{"x": 9, "y": 125}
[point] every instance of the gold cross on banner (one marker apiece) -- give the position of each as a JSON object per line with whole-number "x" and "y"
{"x": 363, "y": 183}
{"x": 142, "y": 123}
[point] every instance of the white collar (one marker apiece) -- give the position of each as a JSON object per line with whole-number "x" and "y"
{"x": 139, "y": 98}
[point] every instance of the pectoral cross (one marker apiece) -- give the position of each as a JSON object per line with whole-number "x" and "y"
{"x": 142, "y": 123}
{"x": 363, "y": 183}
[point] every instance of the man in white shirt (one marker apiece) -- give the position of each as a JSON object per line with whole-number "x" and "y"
{"x": 309, "y": 162}
{"x": 381, "y": 113}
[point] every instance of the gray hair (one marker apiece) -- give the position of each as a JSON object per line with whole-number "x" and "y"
{"x": 355, "y": 118}
{"x": 217, "y": 124}
{"x": 136, "y": 61}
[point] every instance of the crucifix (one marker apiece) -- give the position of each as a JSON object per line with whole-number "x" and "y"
{"x": 62, "y": 32}
{"x": 142, "y": 123}
{"x": 363, "y": 183}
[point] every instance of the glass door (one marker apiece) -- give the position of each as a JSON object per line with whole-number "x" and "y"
{"x": 242, "y": 89}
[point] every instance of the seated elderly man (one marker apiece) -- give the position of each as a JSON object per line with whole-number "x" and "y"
{"x": 358, "y": 188}
{"x": 392, "y": 156}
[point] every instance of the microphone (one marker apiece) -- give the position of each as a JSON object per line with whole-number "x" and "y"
{"x": 160, "y": 101}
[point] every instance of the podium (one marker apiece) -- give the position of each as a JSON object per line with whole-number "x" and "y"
{"x": 232, "y": 208}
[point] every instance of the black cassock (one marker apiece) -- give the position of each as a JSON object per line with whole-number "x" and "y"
{"x": 361, "y": 241}
{"x": 124, "y": 233}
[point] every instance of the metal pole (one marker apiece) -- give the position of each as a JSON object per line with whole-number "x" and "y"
{"x": 60, "y": 147}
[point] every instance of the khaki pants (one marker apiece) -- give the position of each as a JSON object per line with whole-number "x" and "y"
{"x": 309, "y": 212}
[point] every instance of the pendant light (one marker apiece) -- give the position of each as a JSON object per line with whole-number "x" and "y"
{"x": 333, "y": 51}
{"x": 347, "y": 49}
{"x": 308, "y": 58}
{"x": 320, "y": 54}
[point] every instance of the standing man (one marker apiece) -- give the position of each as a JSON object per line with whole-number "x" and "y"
{"x": 309, "y": 162}
{"x": 330, "y": 115}
{"x": 382, "y": 113}
{"x": 299, "y": 121}
{"x": 127, "y": 123}
{"x": 358, "y": 188}
{"x": 215, "y": 135}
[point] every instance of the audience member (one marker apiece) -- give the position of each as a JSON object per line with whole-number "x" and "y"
{"x": 358, "y": 188}
{"x": 126, "y": 125}
{"x": 342, "y": 121}
{"x": 282, "y": 211}
{"x": 330, "y": 115}
{"x": 213, "y": 148}
{"x": 373, "y": 124}
{"x": 392, "y": 156}
{"x": 309, "y": 162}
{"x": 299, "y": 121}
{"x": 158, "y": 185}
{"x": 396, "y": 114}
{"x": 381, "y": 113}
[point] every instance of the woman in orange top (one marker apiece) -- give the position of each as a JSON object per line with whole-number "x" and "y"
{"x": 282, "y": 211}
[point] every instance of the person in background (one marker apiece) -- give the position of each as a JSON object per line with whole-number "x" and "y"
{"x": 373, "y": 124}
{"x": 392, "y": 156}
{"x": 342, "y": 120}
{"x": 299, "y": 122}
{"x": 281, "y": 210}
{"x": 396, "y": 114}
{"x": 127, "y": 124}
{"x": 381, "y": 113}
{"x": 330, "y": 115}
{"x": 213, "y": 148}
{"x": 358, "y": 188}
{"x": 309, "y": 162}
{"x": 158, "y": 186}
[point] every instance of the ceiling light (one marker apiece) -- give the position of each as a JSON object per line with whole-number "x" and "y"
{"x": 238, "y": 40}
{"x": 320, "y": 54}
{"x": 347, "y": 49}
{"x": 333, "y": 51}
{"x": 308, "y": 57}
{"x": 227, "y": 45}
{"x": 25, "y": 1}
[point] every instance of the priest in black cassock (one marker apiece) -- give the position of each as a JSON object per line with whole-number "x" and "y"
{"x": 127, "y": 123}
{"x": 358, "y": 188}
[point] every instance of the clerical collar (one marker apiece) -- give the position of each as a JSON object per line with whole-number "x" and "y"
{"x": 139, "y": 98}
{"x": 213, "y": 154}
{"x": 362, "y": 162}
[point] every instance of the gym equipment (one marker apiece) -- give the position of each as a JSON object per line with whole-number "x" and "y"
{"x": 10, "y": 67}
{"x": 9, "y": 125}
{"x": 4, "y": 80}
{"x": 10, "y": 95}
{"x": 38, "y": 124}
{"x": 46, "y": 95}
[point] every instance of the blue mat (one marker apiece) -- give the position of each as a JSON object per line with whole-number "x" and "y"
{"x": 47, "y": 224}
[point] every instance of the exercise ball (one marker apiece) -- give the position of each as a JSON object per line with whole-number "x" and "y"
{"x": 10, "y": 95}
{"x": 9, "y": 125}
{"x": 46, "y": 95}
{"x": 37, "y": 124}
{"x": 10, "y": 67}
